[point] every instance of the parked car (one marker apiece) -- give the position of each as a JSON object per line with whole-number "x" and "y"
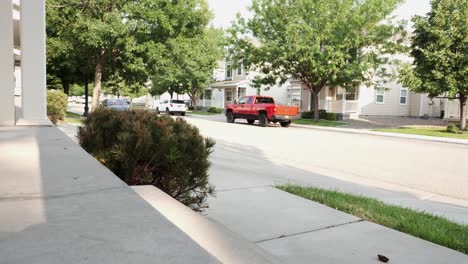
{"x": 171, "y": 107}
{"x": 116, "y": 104}
{"x": 263, "y": 109}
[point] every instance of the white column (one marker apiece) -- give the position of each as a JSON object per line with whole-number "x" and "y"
{"x": 7, "y": 79}
{"x": 33, "y": 63}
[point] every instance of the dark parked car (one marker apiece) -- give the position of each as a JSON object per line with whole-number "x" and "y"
{"x": 116, "y": 104}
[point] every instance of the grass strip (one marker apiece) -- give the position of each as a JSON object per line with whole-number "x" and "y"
{"x": 426, "y": 226}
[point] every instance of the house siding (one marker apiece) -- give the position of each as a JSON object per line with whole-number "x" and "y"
{"x": 391, "y": 105}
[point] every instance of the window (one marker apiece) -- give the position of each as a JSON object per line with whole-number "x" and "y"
{"x": 264, "y": 100}
{"x": 403, "y": 96}
{"x": 206, "y": 95}
{"x": 249, "y": 101}
{"x": 242, "y": 101}
{"x": 239, "y": 68}
{"x": 229, "y": 71}
{"x": 229, "y": 95}
{"x": 380, "y": 93}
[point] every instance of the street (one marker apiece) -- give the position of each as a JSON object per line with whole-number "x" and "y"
{"x": 427, "y": 176}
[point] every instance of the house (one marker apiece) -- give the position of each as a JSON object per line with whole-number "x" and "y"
{"x": 232, "y": 83}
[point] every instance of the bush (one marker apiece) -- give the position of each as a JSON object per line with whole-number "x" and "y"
{"x": 191, "y": 108}
{"x": 331, "y": 116}
{"x": 322, "y": 115}
{"x": 142, "y": 148}
{"x": 57, "y": 102}
{"x": 307, "y": 114}
{"x": 215, "y": 110}
{"x": 453, "y": 128}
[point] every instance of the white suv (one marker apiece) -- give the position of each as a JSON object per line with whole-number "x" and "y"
{"x": 171, "y": 107}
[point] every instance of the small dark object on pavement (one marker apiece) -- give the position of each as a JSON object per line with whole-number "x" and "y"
{"x": 383, "y": 258}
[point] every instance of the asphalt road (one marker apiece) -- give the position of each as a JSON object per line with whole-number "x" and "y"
{"x": 428, "y": 176}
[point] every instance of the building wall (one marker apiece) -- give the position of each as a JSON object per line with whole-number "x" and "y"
{"x": 391, "y": 105}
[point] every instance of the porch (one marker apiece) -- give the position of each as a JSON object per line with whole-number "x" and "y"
{"x": 341, "y": 101}
{"x": 226, "y": 92}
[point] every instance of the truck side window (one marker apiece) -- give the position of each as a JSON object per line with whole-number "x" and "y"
{"x": 242, "y": 100}
{"x": 249, "y": 101}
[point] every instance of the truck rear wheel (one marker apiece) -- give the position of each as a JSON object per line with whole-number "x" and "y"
{"x": 230, "y": 117}
{"x": 250, "y": 121}
{"x": 263, "y": 120}
{"x": 286, "y": 123}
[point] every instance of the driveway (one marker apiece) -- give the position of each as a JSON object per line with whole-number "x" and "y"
{"x": 428, "y": 176}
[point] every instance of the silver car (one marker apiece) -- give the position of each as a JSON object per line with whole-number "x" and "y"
{"x": 116, "y": 104}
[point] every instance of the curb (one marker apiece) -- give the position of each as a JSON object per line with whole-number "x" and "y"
{"x": 386, "y": 134}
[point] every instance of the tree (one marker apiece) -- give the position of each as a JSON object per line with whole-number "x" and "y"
{"x": 125, "y": 38}
{"x": 318, "y": 42}
{"x": 440, "y": 51}
{"x": 190, "y": 64}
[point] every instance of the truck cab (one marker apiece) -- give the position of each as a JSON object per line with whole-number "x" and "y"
{"x": 261, "y": 108}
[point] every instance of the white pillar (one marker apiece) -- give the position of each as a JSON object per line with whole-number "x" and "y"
{"x": 33, "y": 63}
{"x": 7, "y": 79}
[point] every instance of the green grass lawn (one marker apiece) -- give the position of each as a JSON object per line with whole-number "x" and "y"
{"x": 424, "y": 131}
{"x": 423, "y": 225}
{"x": 201, "y": 113}
{"x": 311, "y": 122}
{"x": 73, "y": 118}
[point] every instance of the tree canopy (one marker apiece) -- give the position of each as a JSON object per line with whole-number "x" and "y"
{"x": 190, "y": 63}
{"x": 124, "y": 40}
{"x": 440, "y": 51}
{"x": 318, "y": 42}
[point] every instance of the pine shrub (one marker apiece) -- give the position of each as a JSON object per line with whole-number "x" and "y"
{"x": 57, "y": 102}
{"x": 142, "y": 148}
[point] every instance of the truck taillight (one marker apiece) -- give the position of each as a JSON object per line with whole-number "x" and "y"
{"x": 171, "y": 105}
{"x": 274, "y": 109}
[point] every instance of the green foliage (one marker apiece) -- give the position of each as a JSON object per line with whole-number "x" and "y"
{"x": 189, "y": 64}
{"x": 57, "y": 103}
{"x": 77, "y": 90}
{"x": 440, "y": 51}
{"x": 318, "y": 42}
{"x": 452, "y": 128}
{"x": 215, "y": 110}
{"x": 117, "y": 40}
{"x": 322, "y": 115}
{"x": 143, "y": 148}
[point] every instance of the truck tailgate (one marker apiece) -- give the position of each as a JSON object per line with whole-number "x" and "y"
{"x": 287, "y": 110}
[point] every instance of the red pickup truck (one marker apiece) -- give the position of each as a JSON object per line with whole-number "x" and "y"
{"x": 263, "y": 109}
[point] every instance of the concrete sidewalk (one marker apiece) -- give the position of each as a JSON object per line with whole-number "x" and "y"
{"x": 297, "y": 230}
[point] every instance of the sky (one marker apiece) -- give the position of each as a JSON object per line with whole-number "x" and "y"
{"x": 225, "y": 10}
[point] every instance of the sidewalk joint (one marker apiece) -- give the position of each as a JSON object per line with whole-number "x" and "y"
{"x": 310, "y": 231}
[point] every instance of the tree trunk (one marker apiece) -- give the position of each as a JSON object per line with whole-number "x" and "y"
{"x": 316, "y": 106}
{"x": 66, "y": 87}
{"x": 462, "y": 99}
{"x": 100, "y": 59}
{"x": 193, "y": 99}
